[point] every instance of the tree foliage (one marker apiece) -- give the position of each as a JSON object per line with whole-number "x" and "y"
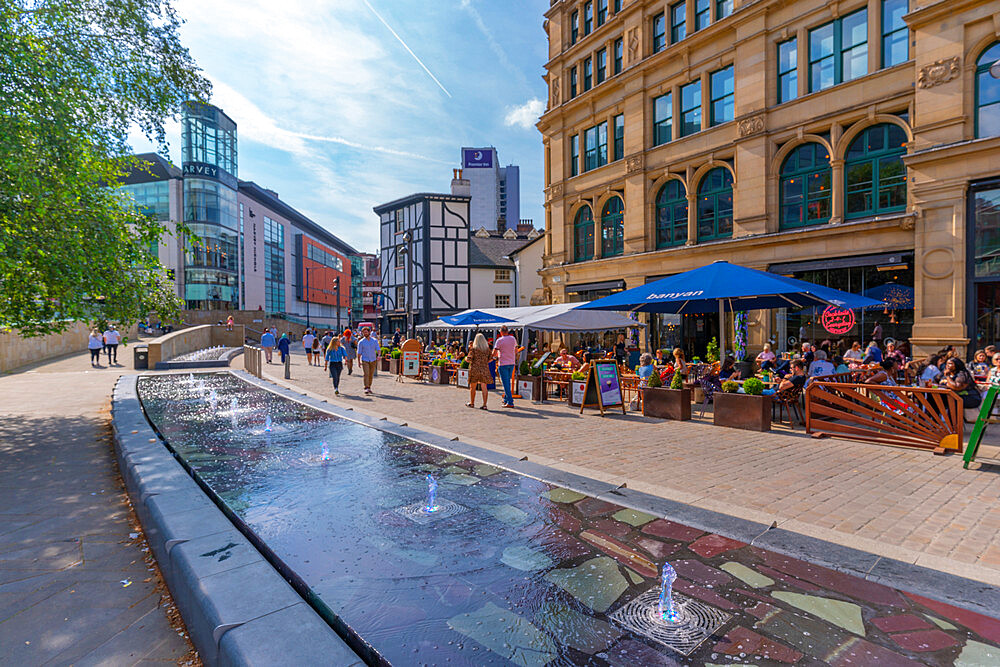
{"x": 75, "y": 77}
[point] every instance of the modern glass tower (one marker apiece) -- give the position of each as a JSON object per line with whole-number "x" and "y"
{"x": 208, "y": 156}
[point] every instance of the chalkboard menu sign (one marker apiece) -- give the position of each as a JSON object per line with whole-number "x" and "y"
{"x": 603, "y": 387}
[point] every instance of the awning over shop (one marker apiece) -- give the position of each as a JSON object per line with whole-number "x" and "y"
{"x": 553, "y": 317}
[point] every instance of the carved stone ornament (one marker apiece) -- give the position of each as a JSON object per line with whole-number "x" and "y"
{"x": 938, "y": 72}
{"x": 907, "y": 223}
{"x": 555, "y": 92}
{"x": 556, "y": 191}
{"x": 751, "y": 125}
{"x": 633, "y": 163}
{"x": 633, "y": 45}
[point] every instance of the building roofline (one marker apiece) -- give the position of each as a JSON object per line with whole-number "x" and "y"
{"x": 263, "y": 197}
{"x": 440, "y": 196}
{"x": 531, "y": 242}
{"x": 158, "y": 163}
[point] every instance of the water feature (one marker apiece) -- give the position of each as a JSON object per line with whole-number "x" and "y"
{"x": 267, "y": 424}
{"x": 511, "y": 569}
{"x": 666, "y": 602}
{"x": 432, "y": 487}
{"x": 214, "y": 353}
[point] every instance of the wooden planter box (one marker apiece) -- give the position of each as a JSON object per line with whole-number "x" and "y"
{"x": 438, "y": 375}
{"x": 395, "y": 366}
{"x": 530, "y": 387}
{"x": 751, "y": 413}
{"x": 383, "y": 364}
{"x": 666, "y": 403}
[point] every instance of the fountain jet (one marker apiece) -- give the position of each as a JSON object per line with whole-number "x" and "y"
{"x": 432, "y": 487}
{"x": 668, "y": 612}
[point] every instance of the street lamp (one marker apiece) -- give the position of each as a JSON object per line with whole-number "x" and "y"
{"x": 408, "y": 240}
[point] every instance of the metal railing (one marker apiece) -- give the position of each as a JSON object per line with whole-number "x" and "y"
{"x": 253, "y": 358}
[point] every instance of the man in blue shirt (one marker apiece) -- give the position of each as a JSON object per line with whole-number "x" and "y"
{"x": 267, "y": 342}
{"x": 368, "y": 353}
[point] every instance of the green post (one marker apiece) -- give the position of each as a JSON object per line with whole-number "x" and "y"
{"x": 980, "y": 428}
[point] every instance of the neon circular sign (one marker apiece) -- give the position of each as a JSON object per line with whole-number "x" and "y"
{"x": 837, "y": 321}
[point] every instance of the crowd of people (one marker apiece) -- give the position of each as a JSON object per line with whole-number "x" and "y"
{"x": 331, "y": 350}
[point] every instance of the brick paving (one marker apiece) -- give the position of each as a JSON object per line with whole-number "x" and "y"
{"x": 896, "y": 502}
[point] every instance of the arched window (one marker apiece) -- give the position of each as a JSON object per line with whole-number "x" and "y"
{"x": 715, "y": 205}
{"x": 671, "y": 215}
{"x": 583, "y": 235}
{"x": 805, "y": 187}
{"x": 874, "y": 175}
{"x": 612, "y": 228}
{"x": 987, "y": 94}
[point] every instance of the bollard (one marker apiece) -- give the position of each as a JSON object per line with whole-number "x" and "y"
{"x": 288, "y": 366}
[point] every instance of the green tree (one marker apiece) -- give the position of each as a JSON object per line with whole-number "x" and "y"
{"x": 75, "y": 77}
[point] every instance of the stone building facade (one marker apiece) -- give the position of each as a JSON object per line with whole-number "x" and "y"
{"x": 852, "y": 143}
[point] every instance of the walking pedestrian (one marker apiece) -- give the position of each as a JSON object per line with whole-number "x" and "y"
{"x": 350, "y": 350}
{"x": 317, "y": 348}
{"x": 479, "y": 370}
{"x": 284, "y": 346}
{"x": 396, "y": 338}
{"x": 368, "y": 353}
{"x": 335, "y": 362}
{"x": 111, "y": 340}
{"x": 505, "y": 350}
{"x": 95, "y": 344}
{"x": 307, "y": 344}
{"x": 267, "y": 343}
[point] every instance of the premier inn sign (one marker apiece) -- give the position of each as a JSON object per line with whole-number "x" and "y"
{"x": 205, "y": 170}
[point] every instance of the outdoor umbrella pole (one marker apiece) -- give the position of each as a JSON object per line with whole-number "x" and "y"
{"x": 722, "y": 330}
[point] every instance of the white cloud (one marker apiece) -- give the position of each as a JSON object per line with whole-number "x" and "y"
{"x": 525, "y": 115}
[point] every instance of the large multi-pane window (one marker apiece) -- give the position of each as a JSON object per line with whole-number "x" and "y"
{"x": 663, "y": 119}
{"x": 805, "y": 187}
{"x": 619, "y": 136}
{"x": 618, "y": 6}
{"x": 788, "y": 70}
{"x": 619, "y": 44}
{"x": 601, "y": 58}
{"x": 702, "y": 14}
{"x": 987, "y": 94}
{"x": 723, "y": 8}
{"x": 613, "y": 228}
{"x": 274, "y": 266}
{"x": 588, "y": 74}
{"x": 690, "y": 108}
{"x": 583, "y": 235}
{"x": 572, "y": 82}
{"x": 574, "y": 155}
{"x": 715, "y": 205}
{"x": 671, "y": 215}
{"x": 595, "y": 144}
{"x": 659, "y": 33}
{"x": 323, "y": 258}
{"x": 574, "y": 27}
{"x": 151, "y": 199}
{"x": 208, "y": 136}
{"x": 602, "y": 12}
{"x": 874, "y": 174}
{"x": 678, "y": 22}
{"x": 838, "y": 51}
{"x": 210, "y": 201}
{"x": 721, "y": 96}
{"x": 588, "y": 18}
{"x": 895, "y": 34}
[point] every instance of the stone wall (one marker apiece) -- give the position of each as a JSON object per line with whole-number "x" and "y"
{"x": 17, "y": 350}
{"x": 181, "y": 342}
{"x": 246, "y": 318}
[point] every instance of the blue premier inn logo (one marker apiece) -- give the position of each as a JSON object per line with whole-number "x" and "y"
{"x": 475, "y": 158}
{"x": 676, "y": 295}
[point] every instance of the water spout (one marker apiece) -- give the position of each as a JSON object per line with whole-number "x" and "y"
{"x": 668, "y": 612}
{"x": 432, "y": 487}
{"x": 213, "y": 398}
{"x": 267, "y": 424}
{"x": 233, "y": 406}
{"x": 325, "y": 452}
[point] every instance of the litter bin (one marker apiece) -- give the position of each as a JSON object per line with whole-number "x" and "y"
{"x": 140, "y": 360}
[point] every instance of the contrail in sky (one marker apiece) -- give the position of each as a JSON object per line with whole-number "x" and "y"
{"x": 400, "y": 39}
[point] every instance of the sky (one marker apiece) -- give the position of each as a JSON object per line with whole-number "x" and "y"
{"x": 341, "y": 105}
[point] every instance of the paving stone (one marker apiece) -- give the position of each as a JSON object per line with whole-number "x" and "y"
{"x": 924, "y": 640}
{"x": 622, "y": 553}
{"x": 485, "y": 470}
{"x": 809, "y": 635}
{"x": 566, "y": 521}
{"x": 629, "y": 653}
{"x": 860, "y": 652}
{"x": 845, "y": 614}
{"x": 611, "y": 527}
{"x": 659, "y": 550}
{"x": 713, "y": 545}
{"x": 561, "y": 495}
{"x": 671, "y": 530}
{"x": 593, "y": 507}
{"x": 987, "y": 628}
{"x": 788, "y": 579}
{"x": 633, "y": 517}
{"x": 697, "y": 571}
{"x": 460, "y": 479}
{"x": 944, "y": 625}
{"x": 525, "y": 559}
{"x": 978, "y": 654}
{"x": 746, "y": 575}
{"x": 506, "y": 634}
{"x": 761, "y": 610}
{"x": 900, "y": 623}
{"x": 584, "y": 633}
{"x": 596, "y": 583}
{"x": 704, "y": 594}
{"x": 742, "y": 641}
{"x": 845, "y": 584}
{"x": 508, "y": 514}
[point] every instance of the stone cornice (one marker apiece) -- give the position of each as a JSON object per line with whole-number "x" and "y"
{"x": 951, "y": 151}
{"x": 937, "y": 12}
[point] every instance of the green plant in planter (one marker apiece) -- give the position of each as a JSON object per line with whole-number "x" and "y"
{"x": 577, "y": 375}
{"x": 753, "y": 386}
{"x": 536, "y": 371}
{"x": 384, "y": 352}
{"x": 397, "y": 353}
{"x": 695, "y": 360}
{"x": 524, "y": 368}
{"x": 654, "y": 381}
{"x": 712, "y": 351}
{"x": 730, "y": 387}
{"x": 677, "y": 382}
{"x": 464, "y": 364}
{"x": 439, "y": 362}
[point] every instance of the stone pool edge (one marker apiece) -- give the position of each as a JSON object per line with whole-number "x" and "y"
{"x": 206, "y": 562}
{"x": 978, "y": 596}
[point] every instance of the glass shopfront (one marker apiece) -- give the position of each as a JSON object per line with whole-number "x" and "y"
{"x": 887, "y": 278}
{"x": 984, "y": 309}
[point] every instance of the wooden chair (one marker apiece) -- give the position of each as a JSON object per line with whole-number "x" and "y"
{"x": 788, "y": 398}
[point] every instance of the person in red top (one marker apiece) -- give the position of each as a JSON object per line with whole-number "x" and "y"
{"x": 505, "y": 350}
